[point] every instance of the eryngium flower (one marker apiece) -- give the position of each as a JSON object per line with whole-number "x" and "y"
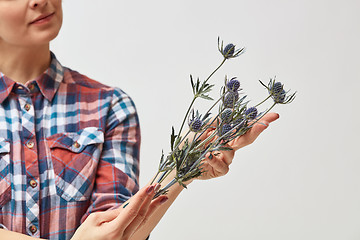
{"x": 232, "y": 121}
{"x": 251, "y": 113}
{"x": 277, "y": 88}
{"x": 230, "y": 99}
{"x": 229, "y": 50}
{"x": 279, "y": 98}
{"x": 233, "y": 85}
{"x": 239, "y": 123}
{"x": 195, "y": 125}
{"x": 277, "y": 92}
{"x": 226, "y": 115}
{"x": 225, "y": 128}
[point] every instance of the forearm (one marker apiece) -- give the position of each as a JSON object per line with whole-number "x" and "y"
{"x": 5, "y": 234}
{"x": 154, "y": 219}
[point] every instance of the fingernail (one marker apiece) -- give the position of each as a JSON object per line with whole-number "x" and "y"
{"x": 157, "y": 187}
{"x": 211, "y": 156}
{"x": 278, "y": 116}
{"x": 164, "y": 199}
{"x": 149, "y": 189}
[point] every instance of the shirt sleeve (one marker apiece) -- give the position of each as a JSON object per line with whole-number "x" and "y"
{"x": 117, "y": 177}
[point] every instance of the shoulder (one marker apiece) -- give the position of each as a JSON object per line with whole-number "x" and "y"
{"x": 75, "y": 81}
{"x": 72, "y": 77}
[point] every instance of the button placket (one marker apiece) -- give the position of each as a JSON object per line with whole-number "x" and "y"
{"x": 31, "y": 163}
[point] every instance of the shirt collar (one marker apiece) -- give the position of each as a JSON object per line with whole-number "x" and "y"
{"x": 48, "y": 82}
{"x": 6, "y": 85}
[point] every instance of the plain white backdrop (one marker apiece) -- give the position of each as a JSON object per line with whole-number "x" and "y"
{"x": 301, "y": 178}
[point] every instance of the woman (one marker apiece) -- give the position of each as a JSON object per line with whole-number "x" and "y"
{"x": 69, "y": 145}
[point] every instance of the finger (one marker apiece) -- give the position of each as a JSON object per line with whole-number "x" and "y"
{"x": 142, "y": 213}
{"x": 250, "y": 136}
{"x": 105, "y": 216}
{"x": 218, "y": 161}
{"x": 132, "y": 208}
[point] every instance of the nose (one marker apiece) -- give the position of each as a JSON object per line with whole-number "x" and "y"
{"x": 37, "y": 3}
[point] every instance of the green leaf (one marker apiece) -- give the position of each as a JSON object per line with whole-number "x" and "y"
{"x": 192, "y": 83}
{"x": 177, "y": 142}
{"x": 224, "y": 148}
{"x": 173, "y": 137}
{"x": 161, "y": 159}
{"x": 197, "y": 85}
{"x": 263, "y": 84}
{"x": 206, "y": 97}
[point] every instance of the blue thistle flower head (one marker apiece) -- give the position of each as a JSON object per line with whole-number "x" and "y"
{"x": 195, "y": 124}
{"x": 251, "y": 113}
{"x": 280, "y": 98}
{"x": 226, "y": 115}
{"x": 230, "y": 99}
{"x": 225, "y": 129}
{"x": 277, "y": 92}
{"x": 277, "y": 88}
{"x": 233, "y": 85}
{"x": 229, "y": 50}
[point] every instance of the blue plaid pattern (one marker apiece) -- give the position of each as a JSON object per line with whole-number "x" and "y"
{"x": 69, "y": 146}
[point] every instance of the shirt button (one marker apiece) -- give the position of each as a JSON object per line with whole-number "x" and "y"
{"x": 30, "y": 144}
{"x": 33, "y": 228}
{"x": 76, "y": 144}
{"x": 33, "y": 183}
{"x": 27, "y": 107}
{"x": 31, "y": 87}
{"x": 20, "y": 87}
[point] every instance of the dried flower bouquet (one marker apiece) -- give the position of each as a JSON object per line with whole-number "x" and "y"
{"x": 232, "y": 119}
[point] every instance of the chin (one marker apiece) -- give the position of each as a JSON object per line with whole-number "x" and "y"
{"x": 44, "y": 37}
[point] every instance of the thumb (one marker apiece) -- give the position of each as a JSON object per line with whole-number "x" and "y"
{"x": 251, "y": 135}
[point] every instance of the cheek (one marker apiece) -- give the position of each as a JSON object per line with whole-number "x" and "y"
{"x": 11, "y": 23}
{"x": 59, "y": 13}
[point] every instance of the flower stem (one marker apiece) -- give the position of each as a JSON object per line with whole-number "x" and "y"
{"x": 262, "y": 101}
{"x": 187, "y": 113}
{"x": 155, "y": 177}
{"x": 215, "y": 103}
{"x": 161, "y": 191}
{"x": 165, "y": 174}
{"x": 215, "y": 70}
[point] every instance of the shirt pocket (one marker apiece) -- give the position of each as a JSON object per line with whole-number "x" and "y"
{"x": 75, "y": 157}
{"x": 5, "y": 186}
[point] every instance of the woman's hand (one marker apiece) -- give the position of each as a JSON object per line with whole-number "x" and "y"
{"x": 217, "y": 164}
{"x": 121, "y": 223}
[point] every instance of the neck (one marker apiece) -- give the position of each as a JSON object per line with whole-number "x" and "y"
{"x": 22, "y": 64}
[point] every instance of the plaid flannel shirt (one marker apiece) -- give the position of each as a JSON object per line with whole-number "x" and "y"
{"x": 69, "y": 146}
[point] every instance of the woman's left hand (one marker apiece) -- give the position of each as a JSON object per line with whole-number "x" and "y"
{"x": 217, "y": 164}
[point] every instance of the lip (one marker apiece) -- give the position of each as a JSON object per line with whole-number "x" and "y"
{"x": 43, "y": 18}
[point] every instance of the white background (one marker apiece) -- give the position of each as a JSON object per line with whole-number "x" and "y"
{"x": 301, "y": 178}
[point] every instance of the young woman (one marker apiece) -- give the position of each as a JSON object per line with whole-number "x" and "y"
{"x": 69, "y": 145}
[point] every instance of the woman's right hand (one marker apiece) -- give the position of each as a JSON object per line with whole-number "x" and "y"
{"x": 121, "y": 223}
